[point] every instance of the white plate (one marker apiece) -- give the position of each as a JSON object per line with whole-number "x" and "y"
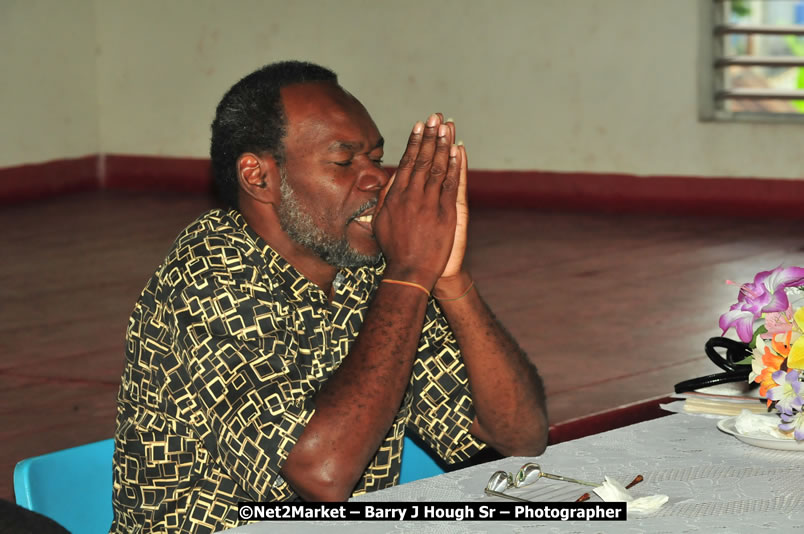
{"x": 768, "y": 442}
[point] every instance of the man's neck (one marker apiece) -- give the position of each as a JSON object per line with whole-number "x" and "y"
{"x": 266, "y": 224}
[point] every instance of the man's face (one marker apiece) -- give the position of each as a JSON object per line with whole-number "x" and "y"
{"x": 332, "y": 174}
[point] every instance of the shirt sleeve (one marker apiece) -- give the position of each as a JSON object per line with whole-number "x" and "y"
{"x": 441, "y": 410}
{"x": 239, "y": 379}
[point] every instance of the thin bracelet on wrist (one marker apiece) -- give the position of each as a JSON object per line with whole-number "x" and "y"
{"x": 404, "y": 283}
{"x": 459, "y": 297}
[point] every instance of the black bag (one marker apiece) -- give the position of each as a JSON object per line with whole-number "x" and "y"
{"x": 735, "y": 351}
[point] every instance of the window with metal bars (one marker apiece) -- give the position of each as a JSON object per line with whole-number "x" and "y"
{"x": 752, "y": 59}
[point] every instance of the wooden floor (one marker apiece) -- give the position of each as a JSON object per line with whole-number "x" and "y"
{"x": 612, "y": 308}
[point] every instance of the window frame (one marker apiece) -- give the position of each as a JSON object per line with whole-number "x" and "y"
{"x": 711, "y": 59}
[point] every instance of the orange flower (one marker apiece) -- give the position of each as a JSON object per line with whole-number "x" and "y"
{"x": 783, "y": 347}
{"x": 772, "y": 360}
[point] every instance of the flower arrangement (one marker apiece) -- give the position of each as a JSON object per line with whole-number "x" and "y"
{"x": 769, "y": 315}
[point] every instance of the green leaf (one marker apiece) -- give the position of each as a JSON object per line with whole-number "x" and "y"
{"x": 740, "y": 8}
{"x": 799, "y": 104}
{"x": 761, "y": 330}
{"x": 796, "y": 46}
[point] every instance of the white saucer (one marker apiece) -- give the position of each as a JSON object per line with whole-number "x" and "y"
{"x": 766, "y": 442}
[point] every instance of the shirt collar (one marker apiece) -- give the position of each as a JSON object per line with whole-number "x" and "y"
{"x": 293, "y": 282}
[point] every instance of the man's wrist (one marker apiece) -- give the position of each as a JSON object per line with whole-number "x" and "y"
{"x": 415, "y": 276}
{"x": 452, "y": 287}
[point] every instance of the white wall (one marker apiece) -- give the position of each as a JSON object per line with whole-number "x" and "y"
{"x": 561, "y": 85}
{"x": 48, "y": 81}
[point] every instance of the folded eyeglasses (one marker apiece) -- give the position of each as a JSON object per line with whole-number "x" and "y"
{"x": 529, "y": 474}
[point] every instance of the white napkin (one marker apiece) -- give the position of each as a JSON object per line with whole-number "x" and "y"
{"x": 613, "y": 491}
{"x": 759, "y": 426}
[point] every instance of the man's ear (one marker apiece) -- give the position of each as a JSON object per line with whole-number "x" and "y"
{"x": 259, "y": 177}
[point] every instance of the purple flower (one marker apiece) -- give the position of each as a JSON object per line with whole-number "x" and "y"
{"x": 766, "y": 294}
{"x": 793, "y": 422}
{"x": 788, "y": 394}
{"x": 741, "y": 320}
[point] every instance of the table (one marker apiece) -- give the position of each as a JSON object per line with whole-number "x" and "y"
{"x": 715, "y": 484}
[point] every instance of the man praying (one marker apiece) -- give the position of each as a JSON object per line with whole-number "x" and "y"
{"x": 286, "y": 343}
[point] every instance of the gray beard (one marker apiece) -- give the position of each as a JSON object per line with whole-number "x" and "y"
{"x": 301, "y": 228}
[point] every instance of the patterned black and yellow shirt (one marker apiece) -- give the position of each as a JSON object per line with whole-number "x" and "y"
{"x": 226, "y": 348}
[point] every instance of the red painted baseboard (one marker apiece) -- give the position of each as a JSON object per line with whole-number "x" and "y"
{"x": 623, "y": 193}
{"x": 153, "y": 173}
{"x": 559, "y": 191}
{"x": 555, "y": 191}
{"x": 41, "y": 180}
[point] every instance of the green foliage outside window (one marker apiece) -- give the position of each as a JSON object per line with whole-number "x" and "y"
{"x": 740, "y": 8}
{"x": 797, "y": 47}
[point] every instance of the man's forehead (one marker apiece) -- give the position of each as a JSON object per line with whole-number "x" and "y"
{"x": 318, "y": 107}
{"x": 318, "y": 98}
{"x": 312, "y": 90}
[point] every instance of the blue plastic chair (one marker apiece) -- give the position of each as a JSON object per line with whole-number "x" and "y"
{"x": 417, "y": 463}
{"x": 72, "y": 486}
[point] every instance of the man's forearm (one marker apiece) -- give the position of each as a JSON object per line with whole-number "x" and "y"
{"x": 507, "y": 391}
{"x": 357, "y": 405}
{"x": 414, "y": 225}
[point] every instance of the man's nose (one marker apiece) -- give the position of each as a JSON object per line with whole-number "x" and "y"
{"x": 372, "y": 178}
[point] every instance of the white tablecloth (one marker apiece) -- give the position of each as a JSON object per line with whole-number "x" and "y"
{"x": 716, "y": 484}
